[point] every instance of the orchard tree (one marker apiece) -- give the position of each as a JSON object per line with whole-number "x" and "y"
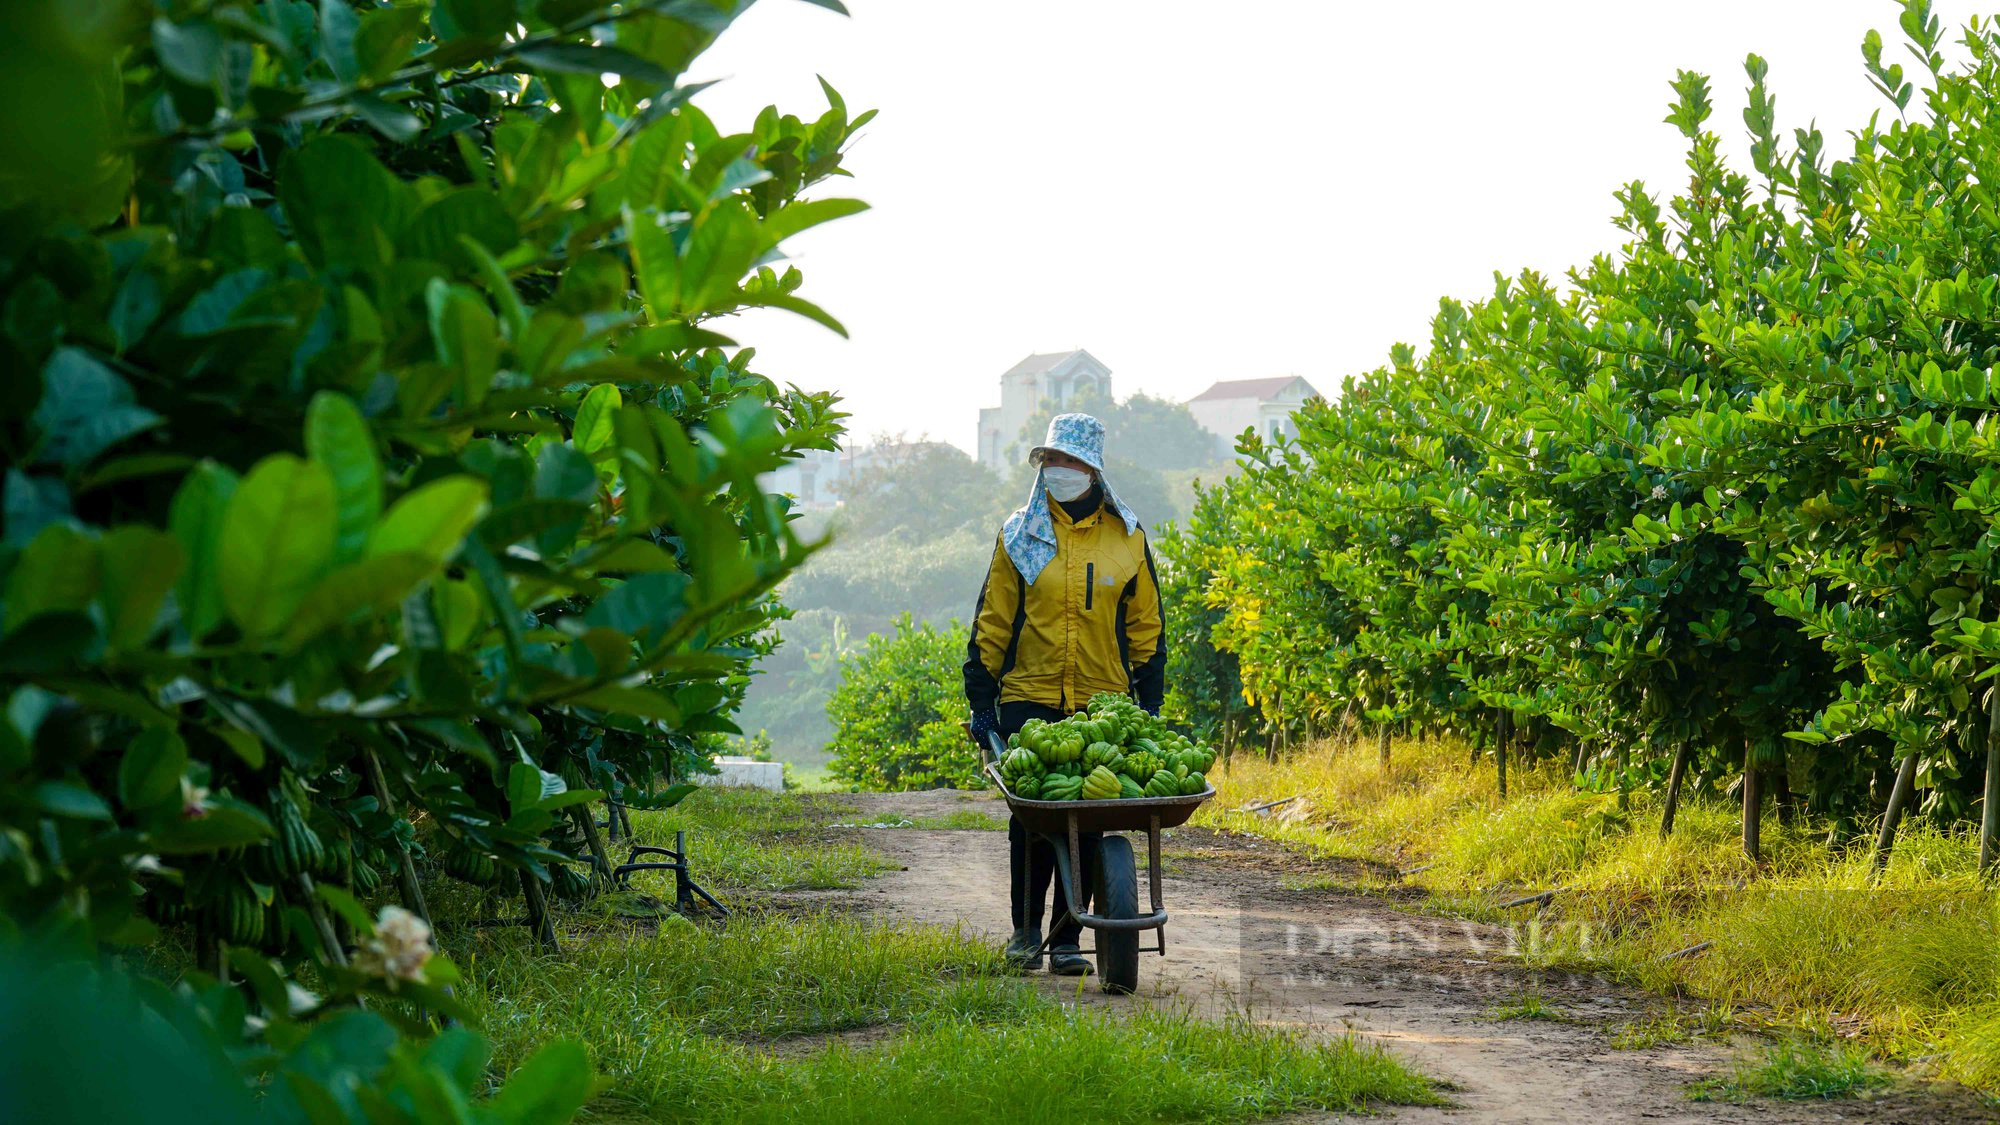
{"x": 380, "y": 479}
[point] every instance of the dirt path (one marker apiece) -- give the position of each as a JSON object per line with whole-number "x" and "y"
{"x": 1329, "y": 960}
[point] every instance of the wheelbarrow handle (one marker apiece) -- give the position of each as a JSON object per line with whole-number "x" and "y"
{"x": 991, "y": 750}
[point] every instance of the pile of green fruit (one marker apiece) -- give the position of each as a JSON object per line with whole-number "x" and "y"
{"x": 1111, "y": 751}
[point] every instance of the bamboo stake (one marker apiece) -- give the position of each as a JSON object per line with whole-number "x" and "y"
{"x": 1899, "y": 799}
{"x": 1752, "y": 805}
{"x": 406, "y": 868}
{"x": 1674, "y": 778}
{"x": 1781, "y": 788}
{"x": 1385, "y": 747}
{"x": 1989, "y": 816}
{"x": 317, "y": 912}
{"x": 1502, "y": 735}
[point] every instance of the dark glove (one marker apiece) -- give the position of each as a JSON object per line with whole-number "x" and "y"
{"x": 983, "y": 724}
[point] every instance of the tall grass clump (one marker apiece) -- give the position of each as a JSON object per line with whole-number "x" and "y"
{"x": 1817, "y": 935}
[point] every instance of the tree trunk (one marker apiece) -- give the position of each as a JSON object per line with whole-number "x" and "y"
{"x": 538, "y": 914}
{"x": 1503, "y": 734}
{"x": 1674, "y": 779}
{"x": 1989, "y": 815}
{"x": 406, "y": 868}
{"x": 586, "y": 821}
{"x": 1899, "y": 799}
{"x": 1385, "y": 747}
{"x": 1753, "y": 803}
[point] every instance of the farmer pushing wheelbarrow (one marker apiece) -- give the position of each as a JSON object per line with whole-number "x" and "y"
{"x": 1070, "y": 609}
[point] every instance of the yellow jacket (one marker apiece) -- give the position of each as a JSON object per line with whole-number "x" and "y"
{"x": 1091, "y": 622}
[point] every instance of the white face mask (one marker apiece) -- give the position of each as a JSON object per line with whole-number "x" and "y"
{"x": 1065, "y": 484}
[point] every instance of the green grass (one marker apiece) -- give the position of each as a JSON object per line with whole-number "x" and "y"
{"x": 1796, "y": 1069}
{"x": 1813, "y": 938}
{"x": 1063, "y": 1064}
{"x": 683, "y": 1024}
{"x": 1673, "y": 1025}
{"x": 697, "y": 1022}
{"x": 755, "y": 978}
{"x": 747, "y": 839}
{"x": 1528, "y": 1006}
{"x": 961, "y": 820}
{"x": 776, "y": 1018}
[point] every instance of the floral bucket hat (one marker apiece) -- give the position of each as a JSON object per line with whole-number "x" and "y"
{"x": 1079, "y": 435}
{"x": 1030, "y": 533}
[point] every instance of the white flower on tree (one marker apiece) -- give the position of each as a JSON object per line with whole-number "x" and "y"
{"x": 400, "y": 947}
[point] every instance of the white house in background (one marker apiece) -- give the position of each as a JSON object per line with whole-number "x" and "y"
{"x": 1057, "y": 376}
{"x": 811, "y": 479}
{"x": 1265, "y": 405}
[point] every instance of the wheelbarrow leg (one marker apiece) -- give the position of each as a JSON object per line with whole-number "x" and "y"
{"x": 1153, "y": 875}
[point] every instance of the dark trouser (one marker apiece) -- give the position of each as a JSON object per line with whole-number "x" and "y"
{"x": 1031, "y": 862}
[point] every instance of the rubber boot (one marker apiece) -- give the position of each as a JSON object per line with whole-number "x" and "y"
{"x": 1024, "y": 949}
{"x": 1066, "y": 961}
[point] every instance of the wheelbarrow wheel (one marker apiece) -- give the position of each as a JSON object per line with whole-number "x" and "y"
{"x": 1114, "y": 893}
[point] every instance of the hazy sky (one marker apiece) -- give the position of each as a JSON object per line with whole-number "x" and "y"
{"x": 1224, "y": 191}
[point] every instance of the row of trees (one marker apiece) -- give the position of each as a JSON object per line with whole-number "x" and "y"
{"x": 377, "y": 484}
{"x": 1722, "y": 511}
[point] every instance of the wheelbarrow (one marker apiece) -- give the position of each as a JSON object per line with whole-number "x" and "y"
{"x": 1081, "y": 834}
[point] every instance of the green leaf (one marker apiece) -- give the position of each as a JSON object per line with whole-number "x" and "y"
{"x": 470, "y": 212}
{"x": 139, "y": 565}
{"x": 343, "y": 205}
{"x": 69, "y": 799}
{"x": 347, "y": 906}
{"x": 243, "y": 744}
{"x": 31, "y": 504}
{"x": 636, "y": 556}
{"x": 85, "y": 410}
{"x": 593, "y": 59}
{"x": 196, "y": 520}
{"x": 802, "y": 307}
{"x": 431, "y": 521}
{"x": 642, "y": 606}
{"x": 150, "y": 772}
{"x": 528, "y": 786}
{"x": 466, "y": 335}
{"x": 516, "y": 522}
{"x": 479, "y": 19}
{"x": 637, "y": 702}
{"x": 338, "y": 27}
{"x": 386, "y": 117}
{"x": 57, "y": 573}
{"x": 277, "y": 539}
{"x": 375, "y": 583}
{"x": 805, "y": 214}
{"x": 338, "y": 437}
{"x": 595, "y": 420}
{"x": 548, "y": 1089}
{"x": 191, "y": 52}
{"x": 228, "y": 825}
{"x": 562, "y": 473}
